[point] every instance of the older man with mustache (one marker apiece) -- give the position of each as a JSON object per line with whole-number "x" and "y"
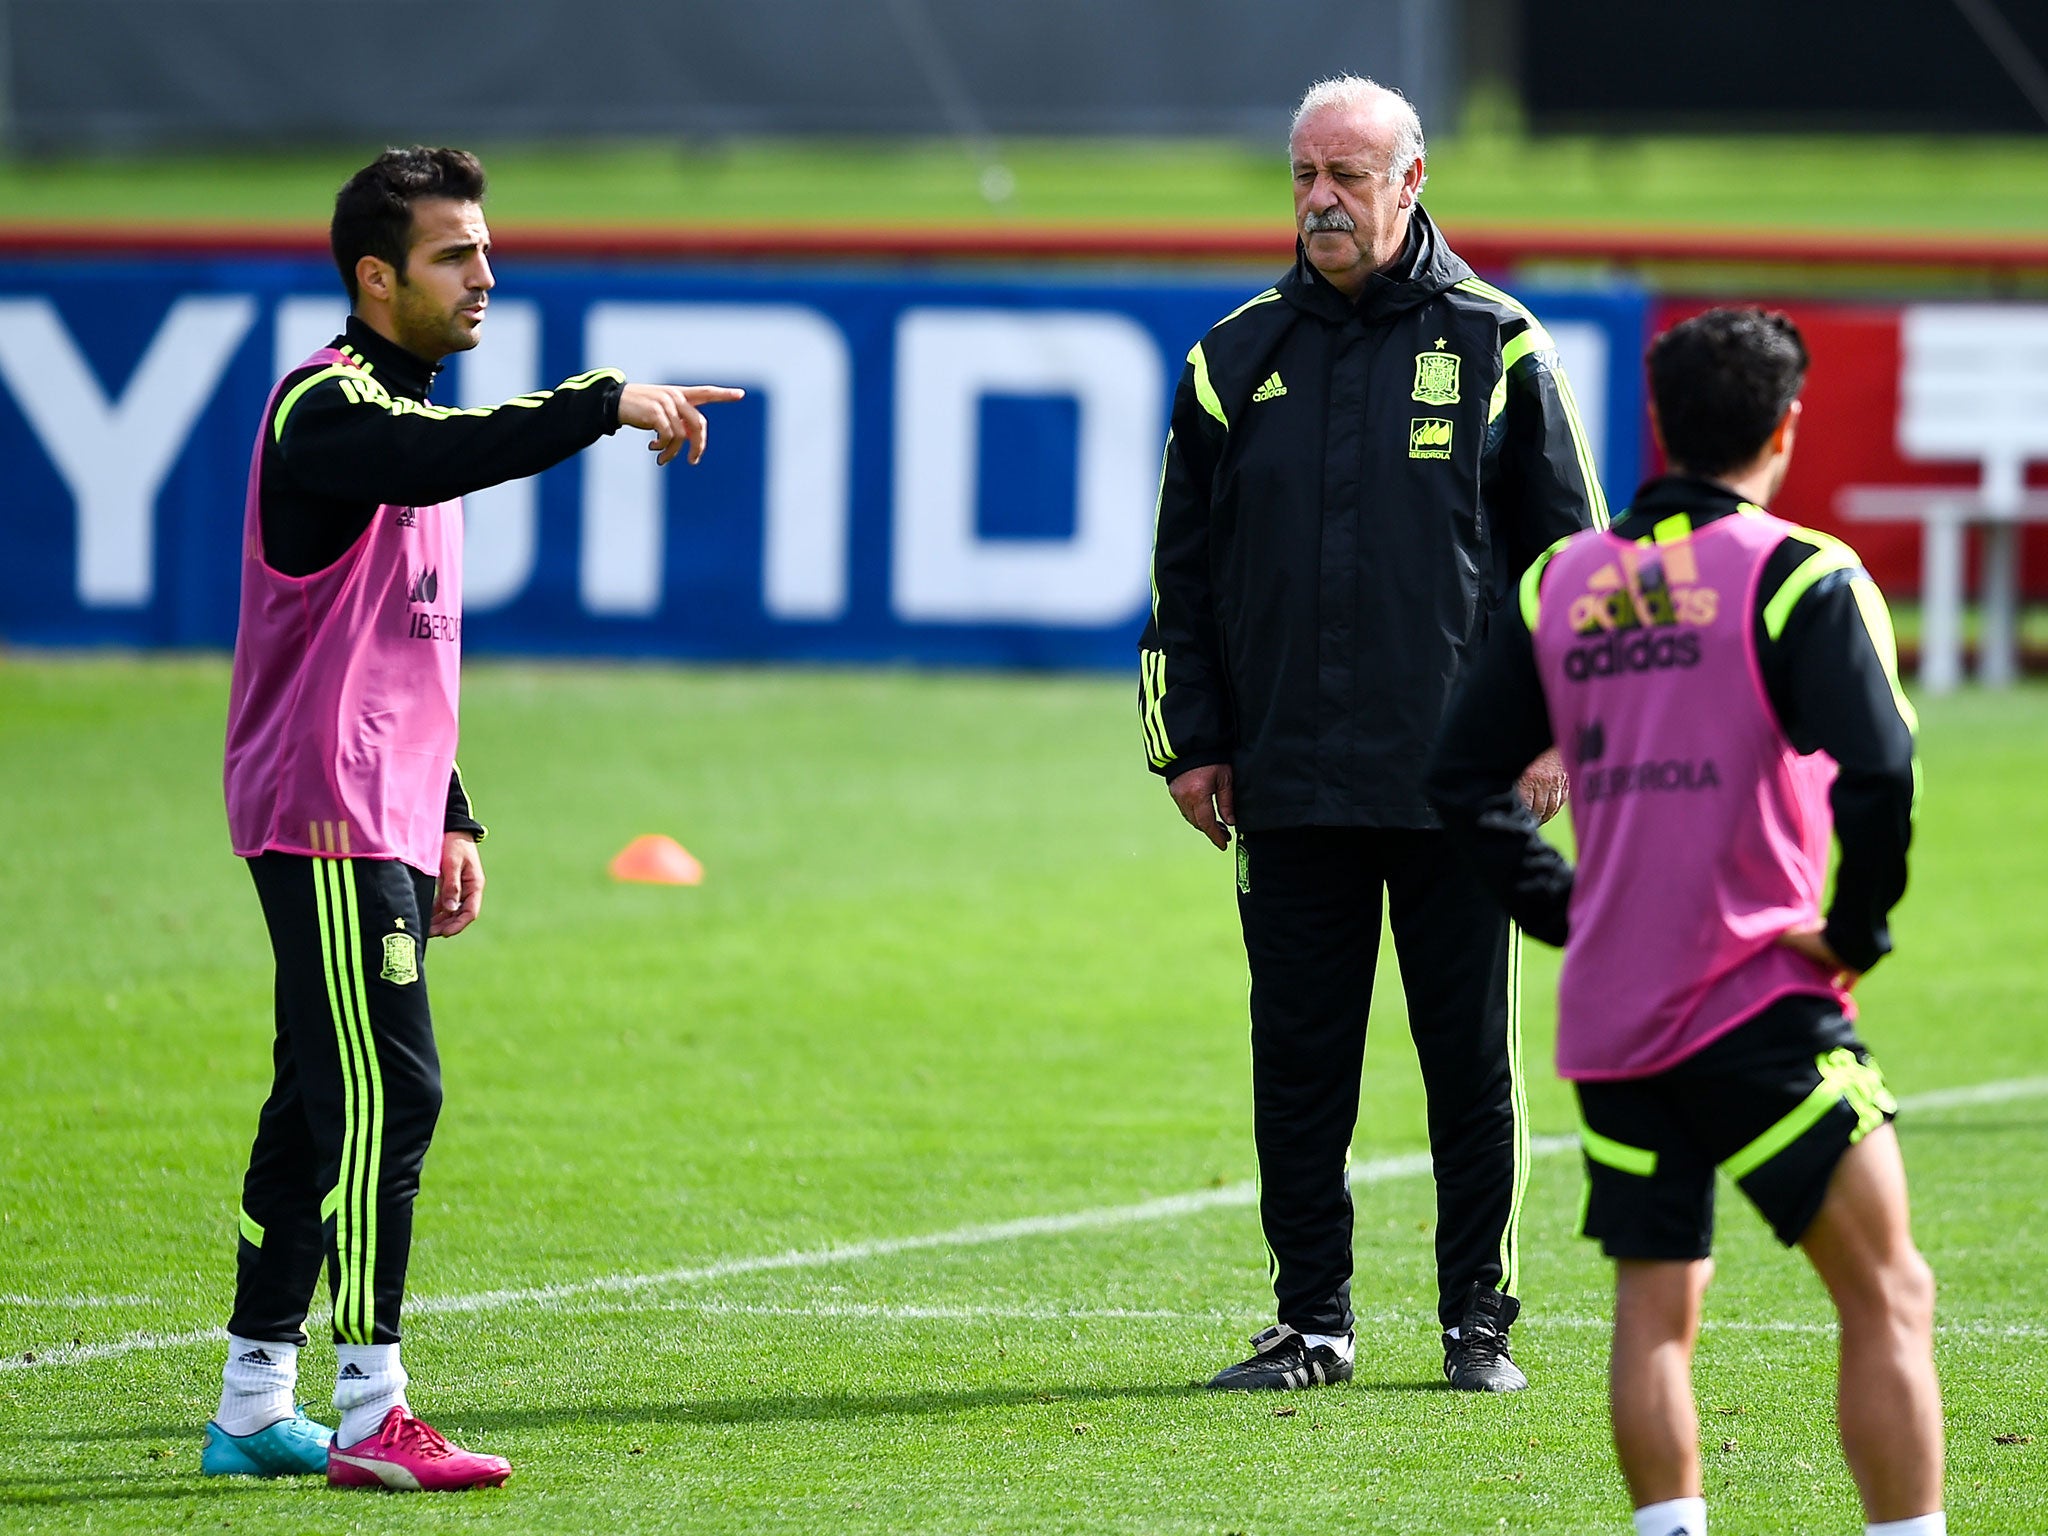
{"x": 1363, "y": 459}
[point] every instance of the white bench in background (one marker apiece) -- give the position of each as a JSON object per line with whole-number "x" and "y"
{"x": 1973, "y": 385}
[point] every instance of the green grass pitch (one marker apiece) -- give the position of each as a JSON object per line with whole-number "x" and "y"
{"x": 962, "y": 1000}
{"x": 1754, "y": 183}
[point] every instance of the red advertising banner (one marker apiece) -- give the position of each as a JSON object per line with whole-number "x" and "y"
{"x": 1850, "y": 435}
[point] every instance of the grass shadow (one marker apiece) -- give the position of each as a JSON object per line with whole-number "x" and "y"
{"x": 842, "y": 1406}
{"x": 32, "y": 1491}
{"x": 166, "y": 1434}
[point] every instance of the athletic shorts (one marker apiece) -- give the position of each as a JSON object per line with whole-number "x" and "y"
{"x": 1774, "y": 1103}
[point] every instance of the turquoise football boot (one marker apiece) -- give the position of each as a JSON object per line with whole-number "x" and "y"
{"x": 293, "y": 1447}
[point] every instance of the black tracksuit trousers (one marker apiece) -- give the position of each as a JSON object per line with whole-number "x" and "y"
{"x": 1309, "y": 899}
{"x": 353, "y": 1104}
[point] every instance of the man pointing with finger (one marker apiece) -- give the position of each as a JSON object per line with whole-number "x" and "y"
{"x": 342, "y": 794}
{"x": 1362, "y": 459}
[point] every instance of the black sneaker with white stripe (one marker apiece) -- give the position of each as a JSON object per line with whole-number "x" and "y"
{"x": 1477, "y": 1359}
{"x": 1283, "y": 1362}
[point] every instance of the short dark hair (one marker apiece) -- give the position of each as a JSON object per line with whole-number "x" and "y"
{"x": 373, "y": 210}
{"x": 1721, "y": 382}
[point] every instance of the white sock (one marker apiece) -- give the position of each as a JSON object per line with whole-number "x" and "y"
{"x": 1339, "y": 1342}
{"x": 1674, "y": 1517}
{"x": 368, "y": 1383}
{"x": 256, "y": 1385}
{"x": 1935, "y": 1524}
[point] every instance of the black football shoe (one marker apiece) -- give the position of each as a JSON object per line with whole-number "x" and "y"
{"x": 1477, "y": 1359}
{"x": 1283, "y": 1362}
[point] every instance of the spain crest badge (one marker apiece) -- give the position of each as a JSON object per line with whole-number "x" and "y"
{"x": 401, "y": 958}
{"x": 1436, "y": 376}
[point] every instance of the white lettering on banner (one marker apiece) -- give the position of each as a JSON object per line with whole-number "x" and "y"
{"x": 1582, "y": 346}
{"x": 800, "y": 359}
{"x": 946, "y": 361}
{"x": 500, "y": 526}
{"x": 304, "y": 324}
{"x": 114, "y": 455}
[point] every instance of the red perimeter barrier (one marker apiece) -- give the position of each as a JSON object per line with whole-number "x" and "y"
{"x": 1484, "y": 245}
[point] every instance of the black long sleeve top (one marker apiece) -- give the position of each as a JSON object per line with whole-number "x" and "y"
{"x": 339, "y": 443}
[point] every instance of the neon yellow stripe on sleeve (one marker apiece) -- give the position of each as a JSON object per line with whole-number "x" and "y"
{"x": 284, "y": 406}
{"x": 1204, "y": 390}
{"x": 1534, "y": 339}
{"x": 1833, "y": 555}
{"x": 1596, "y": 499}
{"x": 1532, "y": 582}
{"x": 1878, "y": 620}
{"x": 1159, "y": 511}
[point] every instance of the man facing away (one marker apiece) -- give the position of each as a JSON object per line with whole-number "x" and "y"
{"x": 343, "y": 796}
{"x": 1724, "y": 687}
{"x": 1362, "y": 459}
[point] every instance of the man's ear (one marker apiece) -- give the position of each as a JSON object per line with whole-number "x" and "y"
{"x": 1657, "y": 435}
{"x": 376, "y": 277}
{"x": 1786, "y": 430}
{"x": 1411, "y": 183}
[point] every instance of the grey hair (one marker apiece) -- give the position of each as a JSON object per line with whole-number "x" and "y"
{"x": 1363, "y": 93}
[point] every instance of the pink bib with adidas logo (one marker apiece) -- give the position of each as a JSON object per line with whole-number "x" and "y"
{"x": 1703, "y": 836}
{"x": 342, "y": 713}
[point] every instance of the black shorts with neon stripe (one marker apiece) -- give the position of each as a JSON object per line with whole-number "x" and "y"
{"x": 1774, "y": 1103}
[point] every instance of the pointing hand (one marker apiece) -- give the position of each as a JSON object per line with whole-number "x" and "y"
{"x": 670, "y": 412}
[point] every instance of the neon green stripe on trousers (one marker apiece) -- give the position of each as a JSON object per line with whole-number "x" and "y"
{"x": 1518, "y": 1098}
{"x": 355, "y": 1216}
{"x": 344, "y": 1226}
{"x": 374, "y": 1162}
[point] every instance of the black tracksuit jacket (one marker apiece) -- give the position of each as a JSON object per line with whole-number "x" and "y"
{"x": 1348, "y": 490}
{"x": 335, "y": 450}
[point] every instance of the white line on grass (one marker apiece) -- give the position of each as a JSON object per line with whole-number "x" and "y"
{"x": 1167, "y": 1208}
{"x": 81, "y": 1354}
{"x": 1980, "y": 1093}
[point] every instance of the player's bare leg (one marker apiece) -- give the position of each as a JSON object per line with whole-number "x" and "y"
{"x": 1889, "y": 1402}
{"x": 1649, "y": 1382}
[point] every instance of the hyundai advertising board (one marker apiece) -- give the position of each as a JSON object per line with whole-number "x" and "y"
{"x": 939, "y": 469}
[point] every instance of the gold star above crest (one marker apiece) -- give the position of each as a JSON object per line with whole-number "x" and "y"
{"x": 1439, "y": 343}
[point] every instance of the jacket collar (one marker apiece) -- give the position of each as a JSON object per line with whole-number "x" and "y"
{"x": 1425, "y": 268}
{"x": 400, "y": 371}
{"x": 1704, "y": 501}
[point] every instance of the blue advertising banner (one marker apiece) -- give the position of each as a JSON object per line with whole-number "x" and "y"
{"x": 949, "y": 469}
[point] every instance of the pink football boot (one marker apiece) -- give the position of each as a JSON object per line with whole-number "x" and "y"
{"x": 410, "y": 1455}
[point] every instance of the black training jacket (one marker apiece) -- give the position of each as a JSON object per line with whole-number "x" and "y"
{"x": 1348, "y": 489}
{"x": 1831, "y": 674}
{"x": 337, "y": 446}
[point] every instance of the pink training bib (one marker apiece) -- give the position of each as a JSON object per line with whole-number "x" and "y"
{"x": 342, "y": 715}
{"x": 1703, "y": 836}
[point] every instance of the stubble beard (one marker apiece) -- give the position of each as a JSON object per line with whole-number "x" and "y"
{"x": 435, "y": 333}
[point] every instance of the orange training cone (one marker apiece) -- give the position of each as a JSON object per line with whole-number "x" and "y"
{"x": 657, "y": 860}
